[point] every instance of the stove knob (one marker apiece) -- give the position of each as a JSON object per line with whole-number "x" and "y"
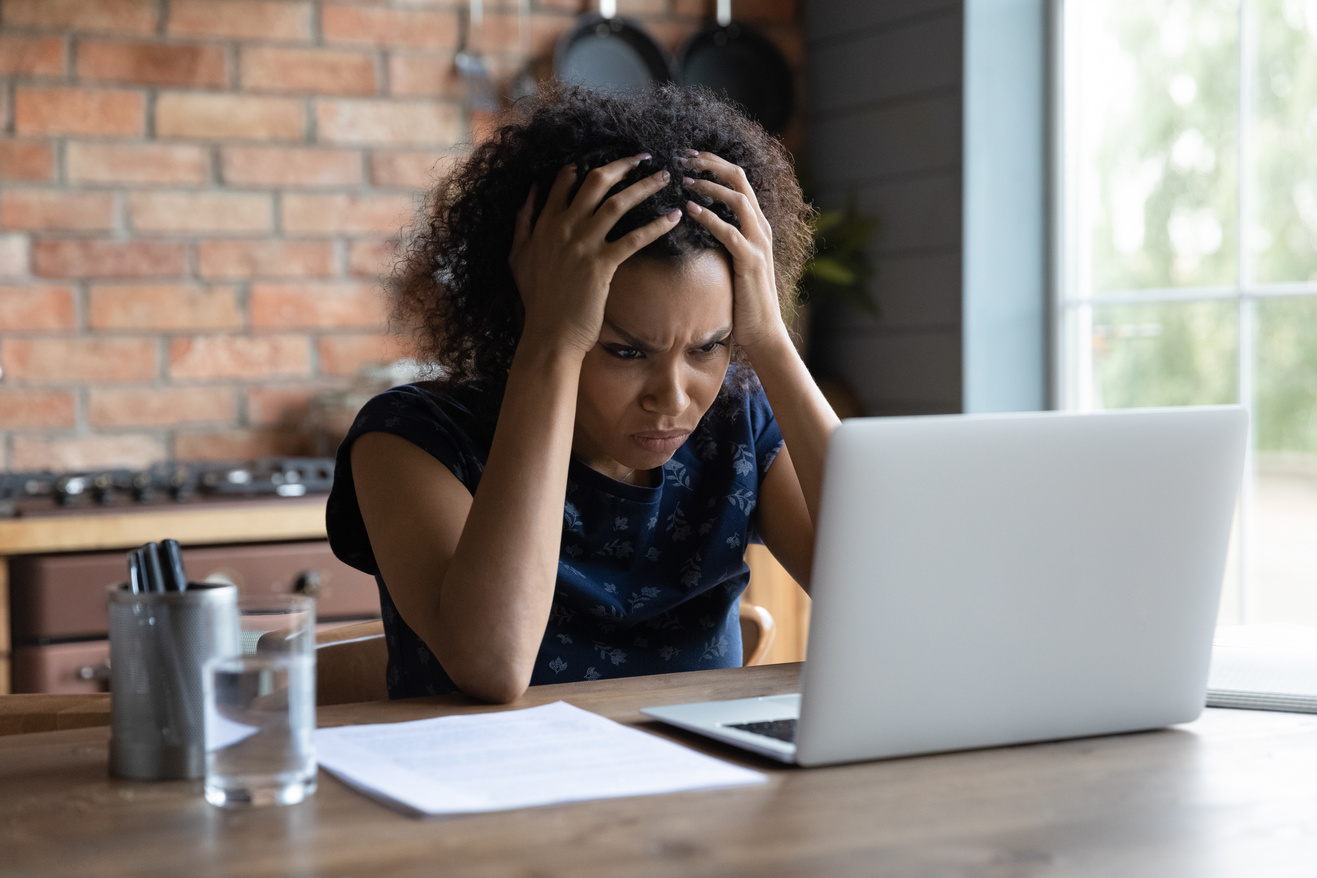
{"x": 310, "y": 583}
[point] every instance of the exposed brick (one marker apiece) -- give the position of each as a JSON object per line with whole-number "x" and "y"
{"x": 371, "y": 259}
{"x": 346, "y": 214}
{"x": 116, "y": 16}
{"x": 275, "y": 166}
{"x": 151, "y": 63}
{"x": 14, "y": 257}
{"x": 36, "y": 408}
{"x": 278, "y": 405}
{"x": 56, "y": 209}
{"x": 83, "y": 258}
{"x": 545, "y": 30}
{"x": 164, "y": 306}
{"x": 240, "y": 444}
{"x": 317, "y": 305}
{"x": 239, "y": 18}
{"x": 388, "y": 122}
{"x": 55, "y": 110}
{"x": 346, "y": 354}
{"x": 388, "y": 27}
{"x": 26, "y": 160}
{"x": 240, "y": 356}
{"x": 229, "y": 117}
{"x": 36, "y": 306}
{"x": 410, "y": 169}
{"x": 136, "y": 163}
{"x": 79, "y": 359}
{"x": 86, "y": 452}
{"x": 265, "y": 259}
{"x": 31, "y": 56}
{"x": 159, "y": 407}
{"x": 318, "y": 71}
{"x": 200, "y": 212}
{"x": 423, "y": 75}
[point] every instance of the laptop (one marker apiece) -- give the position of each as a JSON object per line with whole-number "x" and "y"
{"x": 984, "y": 580}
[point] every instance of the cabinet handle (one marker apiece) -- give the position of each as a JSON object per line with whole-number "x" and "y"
{"x": 94, "y": 672}
{"x": 310, "y": 583}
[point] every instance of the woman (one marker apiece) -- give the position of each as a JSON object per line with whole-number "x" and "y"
{"x": 604, "y": 284}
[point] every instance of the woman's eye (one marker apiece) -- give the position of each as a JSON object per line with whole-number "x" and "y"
{"x": 711, "y": 347}
{"x": 625, "y": 353}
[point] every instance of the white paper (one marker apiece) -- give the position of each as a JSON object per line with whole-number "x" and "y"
{"x": 1264, "y": 666}
{"x": 515, "y": 759}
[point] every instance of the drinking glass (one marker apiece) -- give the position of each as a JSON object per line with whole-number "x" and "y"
{"x": 260, "y": 707}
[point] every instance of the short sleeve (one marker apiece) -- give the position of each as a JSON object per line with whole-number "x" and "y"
{"x": 442, "y": 425}
{"x": 763, "y": 425}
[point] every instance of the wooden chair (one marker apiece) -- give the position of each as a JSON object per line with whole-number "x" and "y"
{"x": 350, "y": 661}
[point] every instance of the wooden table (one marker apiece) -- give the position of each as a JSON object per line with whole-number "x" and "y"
{"x": 1230, "y": 795}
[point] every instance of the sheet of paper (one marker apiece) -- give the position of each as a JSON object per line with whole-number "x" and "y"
{"x": 1273, "y": 659}
{"x": 515, "y": 759}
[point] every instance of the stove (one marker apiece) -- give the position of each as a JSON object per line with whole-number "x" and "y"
{"x": 34, "y": 493}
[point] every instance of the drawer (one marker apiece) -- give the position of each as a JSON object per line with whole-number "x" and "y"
{"x": 61, "y": 597}
{"x": 62, "y": 668}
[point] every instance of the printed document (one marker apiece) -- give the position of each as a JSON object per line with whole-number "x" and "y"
{"x": 515, "y": 759}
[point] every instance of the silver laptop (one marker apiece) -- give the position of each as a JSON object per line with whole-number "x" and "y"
{"x": 982, "y": 580}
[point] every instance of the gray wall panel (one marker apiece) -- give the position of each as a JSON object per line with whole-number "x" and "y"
{"x": 916, "y": 135}
{"x": 902, "y": 371}
{"x": 834, "y": 19}
{"x": 885, "y": 65}
{"x": 886, "y": 125}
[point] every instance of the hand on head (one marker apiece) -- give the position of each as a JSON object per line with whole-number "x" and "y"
{"x": 563, "y": 263}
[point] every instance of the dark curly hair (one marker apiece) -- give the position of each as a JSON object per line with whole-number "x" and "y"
{"x": 452, "y": 286}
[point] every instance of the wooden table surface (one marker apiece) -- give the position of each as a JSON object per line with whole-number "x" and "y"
{"x": 1234, "y": 794}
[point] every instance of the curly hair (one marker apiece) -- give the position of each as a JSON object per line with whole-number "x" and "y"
{"x": 453, "y": 287}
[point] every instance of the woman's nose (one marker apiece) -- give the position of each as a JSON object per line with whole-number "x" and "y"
{"x": 666, "y": 394}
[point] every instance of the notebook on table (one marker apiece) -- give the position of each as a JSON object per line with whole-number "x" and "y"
{"x": 982, "y": 580}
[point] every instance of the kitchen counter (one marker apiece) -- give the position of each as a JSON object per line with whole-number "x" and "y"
{"x": 198, "y": 523}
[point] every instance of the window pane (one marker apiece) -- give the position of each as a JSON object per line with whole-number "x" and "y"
{"x": 1285, "y": 425}
{"x": 1157, "y": 104}
{"x": 1168, "y": 353}
{"x": 1284, "y": 131}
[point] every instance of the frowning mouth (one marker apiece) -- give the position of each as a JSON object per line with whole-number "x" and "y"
{"x": 661, "y": 441}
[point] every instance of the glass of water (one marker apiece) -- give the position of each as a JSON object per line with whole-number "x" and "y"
{"x": 260, "y": 707}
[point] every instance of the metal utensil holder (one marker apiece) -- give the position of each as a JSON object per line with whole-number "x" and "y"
{"x": 159, "y": 645}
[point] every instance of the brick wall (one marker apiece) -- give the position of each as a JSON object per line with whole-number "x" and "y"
{"x": 196, "y": 198}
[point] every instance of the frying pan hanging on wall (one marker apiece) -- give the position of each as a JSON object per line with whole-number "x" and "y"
{"x": 609, "y": 53}
{"x": 739, "y": 62}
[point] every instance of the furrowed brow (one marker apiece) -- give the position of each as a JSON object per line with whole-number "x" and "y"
{"x": 630, "y": 340}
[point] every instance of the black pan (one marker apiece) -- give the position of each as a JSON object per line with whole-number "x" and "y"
{"x": 608, "y": 53}
{"x": 739, "y": 62}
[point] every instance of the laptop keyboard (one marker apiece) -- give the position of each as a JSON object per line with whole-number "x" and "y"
{"x": 781, "y": 729}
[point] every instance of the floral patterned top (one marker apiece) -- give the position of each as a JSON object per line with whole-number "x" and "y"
{"x": 648, "y": 577}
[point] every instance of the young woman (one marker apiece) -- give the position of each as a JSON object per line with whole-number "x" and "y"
{"x": 604, "y": 284}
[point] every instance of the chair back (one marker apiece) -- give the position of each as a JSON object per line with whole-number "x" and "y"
{"x": 351, "y": 660}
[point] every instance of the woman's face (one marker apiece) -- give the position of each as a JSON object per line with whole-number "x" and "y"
{"x": 658, "y": 365}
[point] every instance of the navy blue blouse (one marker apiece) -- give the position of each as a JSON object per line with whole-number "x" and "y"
{"x": 648, "y": 577}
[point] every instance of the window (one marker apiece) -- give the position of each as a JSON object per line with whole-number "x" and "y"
{"x": 1188, "y": 248}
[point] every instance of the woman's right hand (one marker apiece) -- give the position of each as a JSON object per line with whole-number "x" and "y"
{"x": 563, "y": 264}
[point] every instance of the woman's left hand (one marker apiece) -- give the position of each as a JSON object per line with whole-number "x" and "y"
{"x": 756, "y": 316}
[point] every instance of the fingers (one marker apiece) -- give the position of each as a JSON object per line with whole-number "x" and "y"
{"x": 731, "y": 187}
{"x": 603, "y": 178}
{"x": 616, "y": 207}
{"x": 726, "y": 233}
{"x": 633, "y": 242}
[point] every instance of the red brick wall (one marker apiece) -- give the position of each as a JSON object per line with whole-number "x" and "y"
{"x": 195, "y": 200}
